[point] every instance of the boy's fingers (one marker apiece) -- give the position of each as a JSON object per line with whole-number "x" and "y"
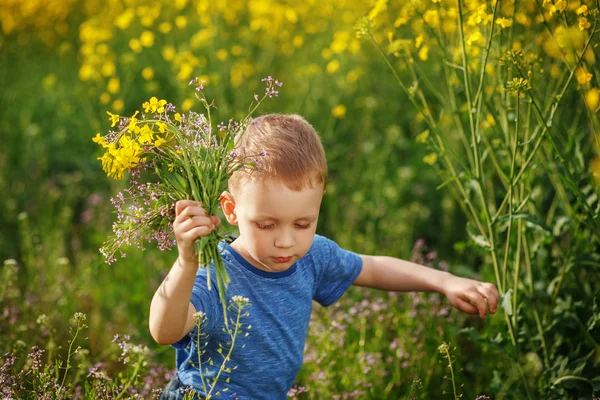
{"x": 181, "y": 205}
{"x": 477, "y": 300}
{"x": 490, "y": 294}
{"x": 215, "y": 220}
{"x": 189, "y": 212}
{"x": 466, "y": 307}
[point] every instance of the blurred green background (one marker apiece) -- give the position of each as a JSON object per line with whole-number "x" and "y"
{"x": 65, "y": 63}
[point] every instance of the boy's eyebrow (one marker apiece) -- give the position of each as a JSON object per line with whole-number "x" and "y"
{"x": 305, "y": 217}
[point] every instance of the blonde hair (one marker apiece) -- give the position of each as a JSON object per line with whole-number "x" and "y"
{"x": 284, "y": 147}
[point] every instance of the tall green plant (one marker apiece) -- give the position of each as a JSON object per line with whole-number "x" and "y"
{"x": 506, "y": 91}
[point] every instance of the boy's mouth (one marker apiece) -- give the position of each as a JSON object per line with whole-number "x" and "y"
{"x": 282, "y": 259}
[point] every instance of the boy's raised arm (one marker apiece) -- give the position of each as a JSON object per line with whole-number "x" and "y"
{"x": 394, "y": 274}
{"x": 171, "y": 313}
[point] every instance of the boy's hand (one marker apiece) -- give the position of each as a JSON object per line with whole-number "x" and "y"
{"x": 191, "y": 222}
{"x": 470, "y": 296}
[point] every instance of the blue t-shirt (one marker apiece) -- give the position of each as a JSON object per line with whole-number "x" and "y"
{"x": 265, "y": 362}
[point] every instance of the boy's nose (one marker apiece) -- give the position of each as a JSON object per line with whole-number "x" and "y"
{"x": 285, "y": 240}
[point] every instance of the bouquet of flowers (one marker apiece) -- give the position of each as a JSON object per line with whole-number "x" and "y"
{"x": 172, "y": 156}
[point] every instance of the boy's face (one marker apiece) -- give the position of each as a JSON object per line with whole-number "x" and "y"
{"x": 277, "y": 225}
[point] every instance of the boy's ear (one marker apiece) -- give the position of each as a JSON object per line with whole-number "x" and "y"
{"x": 228, "y": 207}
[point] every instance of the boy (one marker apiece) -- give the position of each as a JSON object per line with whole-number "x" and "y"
{"x": 280, "y": 265}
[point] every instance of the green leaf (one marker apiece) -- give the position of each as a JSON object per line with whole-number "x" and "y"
{"x": 505, "y": 301}
{"x": 479, "y": 240}
{"x": 527, "y": 217}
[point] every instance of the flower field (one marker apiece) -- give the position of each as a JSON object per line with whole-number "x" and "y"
{"x": 461, "y": 134}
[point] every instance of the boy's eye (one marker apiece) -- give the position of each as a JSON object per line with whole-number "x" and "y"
{"x": 261, "y": 226}
{"x": 303, "y": 226}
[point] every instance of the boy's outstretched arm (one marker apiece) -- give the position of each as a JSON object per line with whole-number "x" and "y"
{"x": 394, "y": 274}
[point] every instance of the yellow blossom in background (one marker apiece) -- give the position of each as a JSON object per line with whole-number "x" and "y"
{"x": 222, "y": 54}
{"x": 592, "y": 98}
{"x": 583, "y": 23}
{"x": 474, "y": 38}
{"x": 423, "y": 136}
{"x": 168, "y": 53}
{"x": 503, "y": 22}
{"x": 135, "y": 45}
{"x": 583, "y": 76}
{"x": 298, "y": 41}
{"x": 147, "y": 39}
{"x": 124, "y": 19}
{"x": 104, "y": 98}
{"x": 148, "y": 73}
{"x": 187, "y": 104}
{"x": 118, "y": 105}
{"x": 86, "y": 72}
{"x": 236, "y": 50}
{"x": 432, "y": 18}
{"x": 339, "y": 111}
{"x": 181, "y": 22}
{"x": 430, "y": 158}
{"x": 114, "y": 85}
{"x": 333, "y": 66}
{"x": 108, "y": 69}
{"x": 424, "y": 53}
{"x": 583, "y": 10}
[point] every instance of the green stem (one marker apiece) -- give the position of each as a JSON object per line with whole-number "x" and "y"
{"x": 130, "y": 380}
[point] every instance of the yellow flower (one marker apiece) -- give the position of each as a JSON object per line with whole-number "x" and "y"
{"x": 187, "y": 104}
{"x": 146, "y": 135}
{"x": 236, "y": 50}
{"x": 333, "y": 66}
{"x": 582, "y": 10}
{"x": 592, "y": 99}
{"x": 158, "y": 142}
{"x": 114, "y": 118}
{"x": 222, "y": 54}
{"x": 147, "y": 39}
{"x": 104, "y": 98}
{"x": 168, "y": 53}
{"x": 135, "y": 45}
{"x": 430, "y": 158}
{"x": 178, "y": 117}
{"x": 422, "y": 137}
{"x": 583, "y": 76}
{"x": 339, "y": 111}
{"x": 148, "y": 73}
{"x": 118, "y": 105}
{"x": 475, "y": 37}
{"x": 113, "y": 85}
{"x": 583, "y": 23}
{"x": 424, "y": 53}
{"x": 165, "y": 27}
{"x": 132, "y": 127}
{"x": 154, "y": 105}
{"x": 503, "y": 22}
{"x": 431, "y": 18}
{"x": 100, "y": 140}
{"x": 162, "y": 127}
{"x": 181, "y": 21}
